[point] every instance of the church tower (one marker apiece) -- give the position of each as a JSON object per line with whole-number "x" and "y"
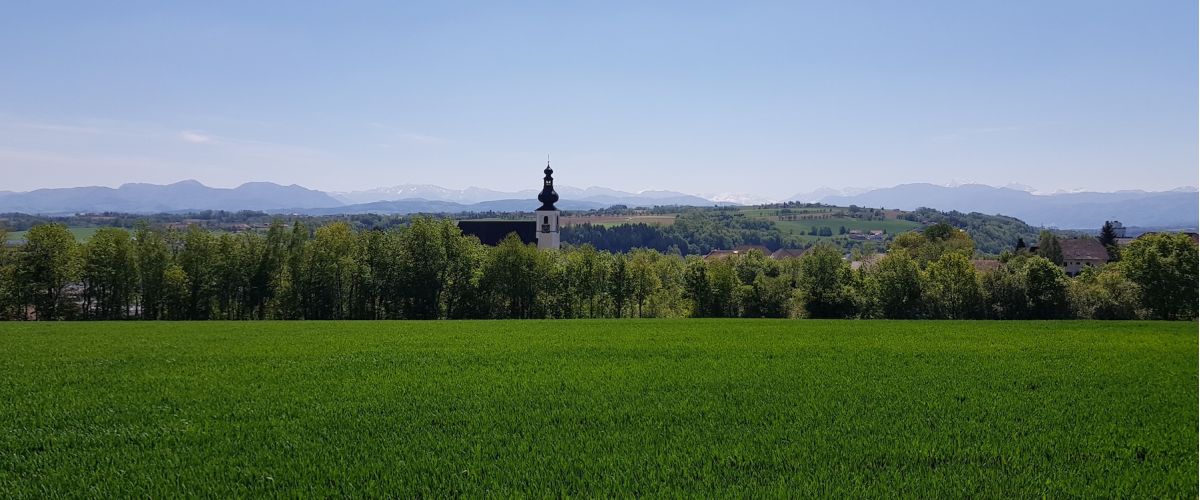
{"x": 547, "y": 214}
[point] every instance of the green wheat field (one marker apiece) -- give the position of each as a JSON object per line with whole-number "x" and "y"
{"x": 594, "y": 408}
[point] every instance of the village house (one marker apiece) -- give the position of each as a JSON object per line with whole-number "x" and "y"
{"x": 873, "y": 235}
{"x": 1078, "y": 253}
{"x": 985, "y": 265}
{"x": 717, "y": 254}
{"x": 867, "y": 262}
{"x": 745, "y": 249}
{"x": 788, "y": 253}
{"x": 740, "y": 250}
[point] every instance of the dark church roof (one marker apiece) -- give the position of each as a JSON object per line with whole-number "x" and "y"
{"x": 548, "y": 196}
{"x": 492, "y": 232}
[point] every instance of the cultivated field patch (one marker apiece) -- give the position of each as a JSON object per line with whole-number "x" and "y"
{"x": 617, "y": 220}
{"x": 586, "y": 408}
{"x": 81, "y": 234}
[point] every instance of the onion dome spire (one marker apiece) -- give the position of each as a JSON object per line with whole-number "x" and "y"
{"x": 548, "y": 197}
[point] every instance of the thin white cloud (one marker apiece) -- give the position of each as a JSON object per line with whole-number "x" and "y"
{"x": 195, "y": 137}
{"x": 422, "y": 139}
{"x": 104, "y": 152}
{"x": 233, "y": 145}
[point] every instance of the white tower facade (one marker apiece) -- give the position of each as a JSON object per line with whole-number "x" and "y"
{"x": 547, "y": 214}
{"x": 547, "y": 226}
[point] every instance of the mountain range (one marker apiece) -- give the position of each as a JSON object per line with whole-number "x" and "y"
{"x": 191, "y": 195}
{"x": 1176, "y": 208}
{"x": 600, "y": 196}
{"x": 1084, "y": 210}
{"x": 151, "y": 198}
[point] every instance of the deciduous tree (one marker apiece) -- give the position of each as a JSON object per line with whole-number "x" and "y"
{"x": 1046, "y": 289}
{"x": 1103, "y": 293}
{"x": 1164, "y": 266}
{"x": 826, "y": 289}
{"x": 951, "y": 288}
{"x": 47, "y": 264}
{"x": 109, "y": 274}
{"x": 153, "y": 257}
{"x": 894, "y": 284}
{"x": 1049, "y": 247}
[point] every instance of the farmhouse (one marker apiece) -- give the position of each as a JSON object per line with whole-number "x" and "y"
{"x": 859, "y": 235}
{"x": 985, "y": 265}
{"x": 867, "y": 262}
{"x": 543, "y": 229}
{"x": 1078, "y": 253}
{"x": 745, "y": 249}
{"x": 788, "y": 253}
{"x": 716, "y": 254}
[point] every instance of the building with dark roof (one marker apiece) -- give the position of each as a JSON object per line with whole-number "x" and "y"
{"x": 788, "y": 253}
{"x": 985, "y": 265}
{"x": 720, "y": 254}
{"x": 543, "y": 230}
{"x": 546, "y": 216}
{"x": 1078, "y": 253}
{"x": 867, "y": 262}
{"x": 492, "y": 232}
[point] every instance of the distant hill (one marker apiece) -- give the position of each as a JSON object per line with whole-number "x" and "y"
{"x": 403, "y": 199}
{"x": 597, "y": 195}
{"x": 427, "y": 192}
{"x": 1068, "y": 210}
{"x": 414, "y": 206}
{"x": 154, "y": 198}
{"x": 1063, "y": 210}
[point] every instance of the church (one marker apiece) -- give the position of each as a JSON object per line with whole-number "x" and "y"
{"x": 543, "y": 229}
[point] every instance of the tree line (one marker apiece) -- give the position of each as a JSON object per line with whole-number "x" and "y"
{"x": 429, "y": 270}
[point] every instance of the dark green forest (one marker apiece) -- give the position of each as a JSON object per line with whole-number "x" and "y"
{"x": 695, "y": 232}
{"x": 993, "y": 234}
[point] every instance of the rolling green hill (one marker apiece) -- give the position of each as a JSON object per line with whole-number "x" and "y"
{"x": 892, "y": 226}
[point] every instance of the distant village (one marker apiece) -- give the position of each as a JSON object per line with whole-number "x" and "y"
{"x": 1078, "y": 253}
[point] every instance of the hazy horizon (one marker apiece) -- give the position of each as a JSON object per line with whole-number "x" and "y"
{"x": 838, "y": 190}
{"x": 770, "y": 99}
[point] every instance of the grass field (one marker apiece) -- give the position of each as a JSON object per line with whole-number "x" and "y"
{"x": 81, "y": 234}
{"x": 584, "y": 408}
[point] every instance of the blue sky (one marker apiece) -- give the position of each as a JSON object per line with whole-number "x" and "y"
{"x": 764, "y": 98}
